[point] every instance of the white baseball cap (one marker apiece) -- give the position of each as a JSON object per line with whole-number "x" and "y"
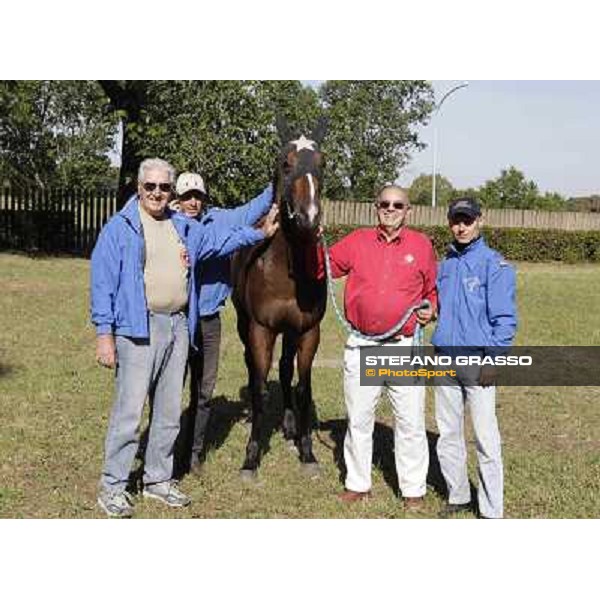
{"x": 187, "y": 182}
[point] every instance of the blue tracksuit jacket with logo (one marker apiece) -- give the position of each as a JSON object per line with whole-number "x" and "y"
{"x": 477, "y": 307}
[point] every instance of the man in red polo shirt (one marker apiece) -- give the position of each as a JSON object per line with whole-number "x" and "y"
{"x": 389, "y": 269}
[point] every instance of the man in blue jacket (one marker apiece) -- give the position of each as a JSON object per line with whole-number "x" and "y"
{"x": 477, "y": 315}
{"x": 142, "y": 268}
{"x": 213, "y": 287}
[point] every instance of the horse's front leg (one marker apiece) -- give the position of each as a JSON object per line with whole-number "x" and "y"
{"x": 307, "y": 348}
{"x": 286, "y": 374}
{"x": 261, "y": 341}
{"x": 243, "y": 327}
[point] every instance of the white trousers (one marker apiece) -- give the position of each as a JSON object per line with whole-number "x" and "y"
{"x": 410, "y": 438}
{"x": 450, "y": 404}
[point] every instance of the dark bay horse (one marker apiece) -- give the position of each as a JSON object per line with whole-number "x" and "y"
{"x": 274, "y": 292}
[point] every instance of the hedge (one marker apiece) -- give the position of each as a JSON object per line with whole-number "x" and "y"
{"x": 529, "y": 245}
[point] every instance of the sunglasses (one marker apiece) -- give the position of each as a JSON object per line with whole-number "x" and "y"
{"x": 163, "y": 187}
{"x": 193, "y": 196}
{"x": 396, "y": 205}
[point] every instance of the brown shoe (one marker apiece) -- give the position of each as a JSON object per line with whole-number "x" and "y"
{"x": 349, "y": 496}
{"x": 414, "y": 505}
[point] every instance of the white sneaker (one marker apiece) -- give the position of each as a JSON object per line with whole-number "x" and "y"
{"x": 168, "y": 493}
{"x": 116, "y": 504}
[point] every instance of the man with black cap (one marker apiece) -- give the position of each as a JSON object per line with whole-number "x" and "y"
{"x": 477, "y": 313}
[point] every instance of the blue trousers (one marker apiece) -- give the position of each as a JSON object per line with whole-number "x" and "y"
{"x": 153, "y": 369}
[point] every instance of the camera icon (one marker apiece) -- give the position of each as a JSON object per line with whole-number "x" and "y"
{"x": 370, "y": 372}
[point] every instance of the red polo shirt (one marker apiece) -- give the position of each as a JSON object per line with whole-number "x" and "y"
{"x": 384, "y": 278}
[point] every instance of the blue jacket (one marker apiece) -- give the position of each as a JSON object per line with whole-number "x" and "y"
{"x": 476, "y": 292}
{"x": 118, "y": 296}
{"x": 214, "y": 276}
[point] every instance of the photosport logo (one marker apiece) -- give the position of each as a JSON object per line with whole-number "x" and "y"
{"x": 518, "y": 366}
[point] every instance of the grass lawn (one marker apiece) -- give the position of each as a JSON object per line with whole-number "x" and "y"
{"x": 55, "y": 403}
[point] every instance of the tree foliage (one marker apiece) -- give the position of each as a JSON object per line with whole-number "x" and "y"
{"x": 226, "y": 129}
{"x": 62, "y": 131}
{"x": 222, "y": 129}
{"x": 513, "y": 190}
{"x": 510, "y": 190}
{"x": 55, "y": 133}
{"x": 420, "y": 190}
{"x": 371, "y": 132}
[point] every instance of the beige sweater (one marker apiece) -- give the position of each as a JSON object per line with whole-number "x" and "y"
{"x": 166, "y": 270}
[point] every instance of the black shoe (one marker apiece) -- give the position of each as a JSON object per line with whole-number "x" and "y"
{"x": 454, "y": 509}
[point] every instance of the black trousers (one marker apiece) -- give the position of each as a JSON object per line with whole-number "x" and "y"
{"x": 204, "y": 366}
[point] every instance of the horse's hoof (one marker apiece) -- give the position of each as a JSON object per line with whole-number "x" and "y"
{"x": 291, "y": 446}
{"x": 249, "y": 476}
{"x": 311, "y": 470}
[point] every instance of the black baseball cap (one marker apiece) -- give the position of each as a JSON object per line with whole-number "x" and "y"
{"x": 464, "y": 206}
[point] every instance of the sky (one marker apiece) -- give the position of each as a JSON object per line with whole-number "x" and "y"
{"x": 550, "y": 130}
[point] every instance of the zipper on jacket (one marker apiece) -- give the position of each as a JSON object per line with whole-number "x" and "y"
{"x": 456, "y": 299}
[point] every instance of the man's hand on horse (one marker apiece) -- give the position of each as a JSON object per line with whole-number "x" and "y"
{"x": 106, "y": 353}
{"x": 424, "y": 316}
{"x": 271, "y": 224}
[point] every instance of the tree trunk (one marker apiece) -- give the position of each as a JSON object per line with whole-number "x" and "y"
{"x": 130, "y": 98}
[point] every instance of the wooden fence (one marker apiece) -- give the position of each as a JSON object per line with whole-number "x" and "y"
{"x": 363, "y": 213}
{"x": 69, "y": 220}
{"x": 53, "y": 220}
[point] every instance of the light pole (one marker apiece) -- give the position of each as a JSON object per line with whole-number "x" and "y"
{"x": 435, "y": 136}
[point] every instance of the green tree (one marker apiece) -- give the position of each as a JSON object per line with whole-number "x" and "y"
{"x": 226, "y": 129}
{"x": 222, "y": 129}
{"x": 55, "y": 133}
{"x": 371, "y": 132}
{"x": 421, "y": 189}
{"x": 510, "y": 190}
{"x": 552, "y": 201}
{"x": 513, "y": 190}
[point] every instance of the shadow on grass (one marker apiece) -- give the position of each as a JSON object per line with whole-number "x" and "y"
{"x": 224, "y": 415}
{"x": 38, "y": 254}
{"x": 5, "y": 370}
{"x": 383, "y": 455}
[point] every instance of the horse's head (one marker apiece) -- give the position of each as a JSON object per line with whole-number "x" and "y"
{"x": 299, "y": 181}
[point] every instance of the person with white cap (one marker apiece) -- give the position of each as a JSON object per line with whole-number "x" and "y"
{"x": 206, "y": 302}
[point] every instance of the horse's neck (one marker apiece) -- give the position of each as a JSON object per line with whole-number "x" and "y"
{"x": 289, "y": 254}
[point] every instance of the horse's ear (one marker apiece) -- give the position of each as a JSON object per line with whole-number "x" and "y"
{"x": 320, "y": 130}
{"x": 283, "y": 129}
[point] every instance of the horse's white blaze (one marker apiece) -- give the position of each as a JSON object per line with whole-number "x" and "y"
{"x": 312, "y": 207}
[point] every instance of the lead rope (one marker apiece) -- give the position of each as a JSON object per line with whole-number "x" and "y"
{"x": 418, "y": 337}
